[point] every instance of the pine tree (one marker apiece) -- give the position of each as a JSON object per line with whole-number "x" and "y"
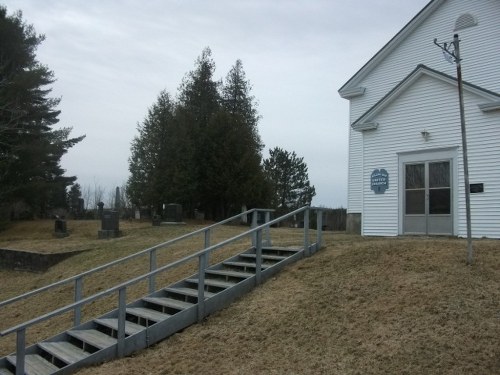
{"x": 151, "y": 157}
{"x": 289, "y": 180}
{"x": 30, "y": 149}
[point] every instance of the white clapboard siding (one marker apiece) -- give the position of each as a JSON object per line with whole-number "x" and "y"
{"x": 480, "y": 66}
{"x": 355, "y": 186}
{"x": 432, "y": 104}
{"x": 479, "y": 49}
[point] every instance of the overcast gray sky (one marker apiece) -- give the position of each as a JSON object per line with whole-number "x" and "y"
{"x": 112, "y": 58}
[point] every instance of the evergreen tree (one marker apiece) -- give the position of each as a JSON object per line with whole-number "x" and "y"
{"x": 74, "y": 196}
{"x": 203, "y": 151}
{"x": 289, "y": 179}
{"x": 199, "y": 101}
{"x": 148, "y": 183}
{"x": 30, "y": 149}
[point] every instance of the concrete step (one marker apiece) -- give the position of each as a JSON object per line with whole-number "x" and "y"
{"x": 35, "y": 365}
{"x": 4, "y": 371}
{"x": 130, "y": 328}
{"x": 64, "y": 351}
{"x": 93, "y": 337}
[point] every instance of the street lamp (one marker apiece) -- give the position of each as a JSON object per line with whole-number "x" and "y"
{"x": 451, "y": 52}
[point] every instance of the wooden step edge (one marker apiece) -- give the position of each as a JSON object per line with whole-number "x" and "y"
{"x": 222, "y": 272}
{"x": 4, "y": 371}
{"x": 245, "y": 264}
{"x": 277, "y": 258}
{"x": 130, "y": 328}
{"x": 149, "y": 314}
{"x": 169, "y": 302}
{"x": 63, "y": 350}
{"x": 188, "y": 292}
{"x": 212, "y": 282}
{"x": 35, "y": 364}
{"x": 94, "y": 338}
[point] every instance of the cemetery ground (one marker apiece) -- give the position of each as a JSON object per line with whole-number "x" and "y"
{"x": 405, "y": 305}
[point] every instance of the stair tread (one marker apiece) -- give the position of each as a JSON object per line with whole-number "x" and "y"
{"x": 188, "y": 292}
{"x": 267, "y": 257}
{"x": 283, "y": 248}
{"x": 64, "y": 350}
{"x": 212, "y": 282}
{"x": 130, "y": 328}
{"x": 243, "y": 264}
{"x": 93, "y": 337}
{"x": 35, "y": 365}
{"x": 4, "y": 371}
{"x": 242, "y": 275}
{"x": 169, "y": 302}
{"x": 149, "y": 314}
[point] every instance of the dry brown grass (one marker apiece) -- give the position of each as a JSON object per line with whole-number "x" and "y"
{"x": 359, "y": 306}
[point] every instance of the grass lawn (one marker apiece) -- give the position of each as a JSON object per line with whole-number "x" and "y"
{"x": 359, "y": 306}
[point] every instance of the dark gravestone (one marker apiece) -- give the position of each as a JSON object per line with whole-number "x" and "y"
{"x": 110, "y": 225}
{"x": 60, "y": 229}
{"x": 156, "y": 220}
{"x": 100, "y": 210}
{"x": 173, "y": 213}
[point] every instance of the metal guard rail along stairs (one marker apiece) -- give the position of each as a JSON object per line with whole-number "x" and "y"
{"x": 134, "y": 326}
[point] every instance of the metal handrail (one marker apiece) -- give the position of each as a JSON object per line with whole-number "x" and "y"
{"x": 202, "y": 255}
{"x": 137, "y": 279}
{"x": 126, "y": 258}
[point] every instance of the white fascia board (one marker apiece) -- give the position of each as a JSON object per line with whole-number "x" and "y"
{"x": 352, "y": 93}
{"x": 489, "y": 107}
{"x": 363, "y": 126}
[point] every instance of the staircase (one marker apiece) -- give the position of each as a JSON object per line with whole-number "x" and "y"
{"x": 154, "y": 317}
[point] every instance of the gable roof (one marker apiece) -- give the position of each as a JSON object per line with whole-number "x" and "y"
{"x": 364, "y": 122}
{"x": 349, "y": 88}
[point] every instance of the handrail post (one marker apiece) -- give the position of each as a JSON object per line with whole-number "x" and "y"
{"x": 268, "y": 229}
{"x": 202, "y": 265}
{"x": 152, "y": 267}
{"x": 306, "y": 232}
{"x": 122, "y": 301}
{"x": 254, "y": 225}
{"x": 319, "y": 228}
{"x": 77, "y": 314}
{"x": 258, "y": 257}
{"x": 20, "y": 350}
{"x": 208, "y": 239}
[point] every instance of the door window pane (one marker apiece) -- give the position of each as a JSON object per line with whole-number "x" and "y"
{"x": 415, "y": 202}
{"x": 415, "y": 176}
{"x": 439, "y": 174}
{"x": 440, "y": 201}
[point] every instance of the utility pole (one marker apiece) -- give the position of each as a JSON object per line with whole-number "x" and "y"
{"x": 450, "y": 55}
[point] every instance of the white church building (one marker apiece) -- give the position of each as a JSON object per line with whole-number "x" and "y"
{"x": 406, "y": 171}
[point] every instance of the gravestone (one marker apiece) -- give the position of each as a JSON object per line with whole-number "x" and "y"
{"x": 60, "y": 230}
{"x": 100, "y": 210}
{"x": 173, "y": 213}
{"x": 110, "y": 225}
{"x": 117, "y": 199}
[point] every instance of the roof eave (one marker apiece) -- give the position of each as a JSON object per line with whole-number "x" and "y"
{"x": 390, "y": 46}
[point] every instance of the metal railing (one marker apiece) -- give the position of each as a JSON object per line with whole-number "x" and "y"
{"x": 257, "y": 233}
